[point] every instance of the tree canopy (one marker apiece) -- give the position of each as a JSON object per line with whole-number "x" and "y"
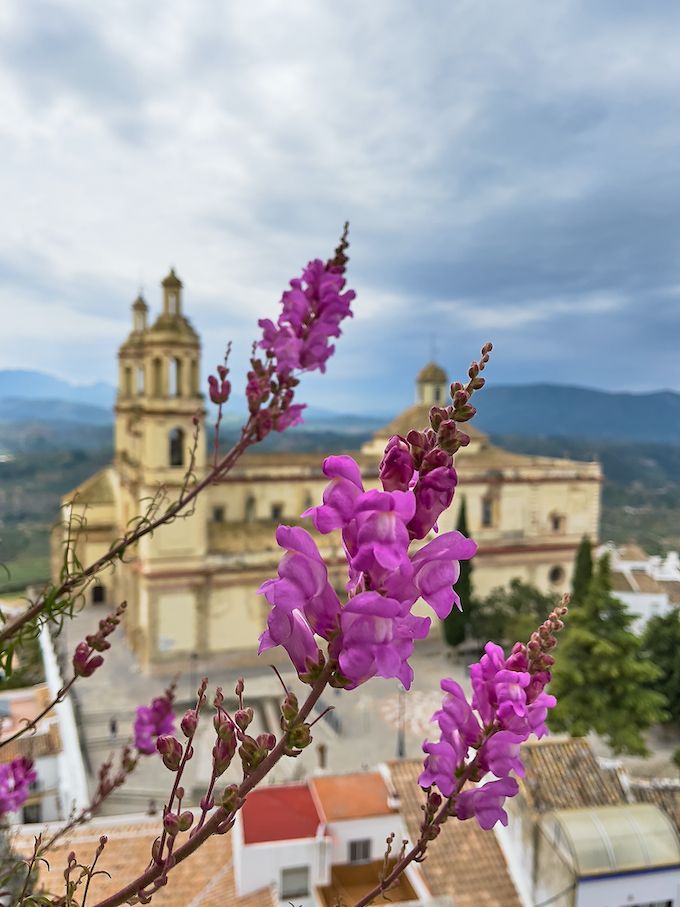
{"x": 602, "y": 680}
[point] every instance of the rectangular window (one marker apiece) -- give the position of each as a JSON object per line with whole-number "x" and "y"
{"x": 360, "y": 851}
{"x": 32, "y": 813}
{"x": 294, "y": 883}
{"x": 487, "y": 512}
{"x": 277, "y": 511}
{"x": 218, "y": 514}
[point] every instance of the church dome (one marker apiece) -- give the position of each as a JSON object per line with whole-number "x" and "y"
{"x": 432, "y": 374}
{"x": 172, "y": 280}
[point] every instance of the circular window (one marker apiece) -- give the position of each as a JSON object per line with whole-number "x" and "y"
{"x": 556, "y": 575}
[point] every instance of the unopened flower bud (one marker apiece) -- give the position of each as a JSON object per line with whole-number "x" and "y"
{"x": 171, "y": 751}
{"x": 229, "y": 797}
{"x": 299, "y": 736}
{"x": 171, "y": 823}
{"x": 189, "y": 723}
{"x": 266, "y": 741}
{"x": 243, "y": 718}
{"x": 83, "y": 665}
{"x": 185, "y": 820}
{"x": 289, "y": 707}
{"x": 240, "y": 687}
{"x": 223, "y": 753}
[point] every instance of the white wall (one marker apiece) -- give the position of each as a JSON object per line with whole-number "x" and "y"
{"x": 640, "y": 888}
{"x": 375, "y": 828}
{"x": 644, "y": 605}
{"x": 72, "y": 779}
{"x": 260, "y": 865}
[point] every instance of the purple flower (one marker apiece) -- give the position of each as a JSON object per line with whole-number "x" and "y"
{"x": 340, "y": 495}
{"x": 83, "y": 664}
{"x": 290, "y": 416}
{"x": 443, "y": 758}
{"x": 377, "y": 639}
{"x": 382, "y": 539}
{"x": 434, "y": 493}
{"x": 303, "y": 582}
{"x": 312, "y": 311}
{"x": 152, "y": 722}
{"x": 16, "y": 778}
{"x": 436, "y": 568}
{"x": 485, "y": 803}
{"x": 397, "y": 466}
{"x": 290, "y": 630}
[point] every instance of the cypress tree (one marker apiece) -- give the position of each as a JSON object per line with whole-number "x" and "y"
{"x": 661, "y": 644}
{"x": 602, "y": 681}
{"x": 583, "y": 571}
{"x": 456, "y": 623}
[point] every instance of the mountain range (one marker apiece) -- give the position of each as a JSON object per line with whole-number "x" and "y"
{"x": 535, "y": 410}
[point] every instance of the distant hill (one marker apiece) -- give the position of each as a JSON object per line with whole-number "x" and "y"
{"x": 32, "y": 385}
{"x": 555, "y": 410}
{"x": 533, "y": 410}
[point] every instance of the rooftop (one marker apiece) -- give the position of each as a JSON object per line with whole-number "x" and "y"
{"x": 279, "y": 813}
{"x": 564, "y": 773}
{"x": 355, "y": 796}
{"x": 432, "y": 373}
{"x": 608, "y": 839}
{"x": 205, "y": 879}
{"x": 481, "y": 877}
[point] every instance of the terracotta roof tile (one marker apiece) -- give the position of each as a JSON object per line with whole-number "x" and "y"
{"x": 355, "y": 796}
{"x": 465, "y": 862}
{"x": 279, "y": 813}
{"x": 205, "y": 879}
{"x": 564, "y": 773}
{"x": 663, "y": 793}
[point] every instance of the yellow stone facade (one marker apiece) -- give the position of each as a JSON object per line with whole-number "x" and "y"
{"x": 191, "y": 586}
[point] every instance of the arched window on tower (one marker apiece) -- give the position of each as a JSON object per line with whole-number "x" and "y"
{"x": 176, "y": 447}
{"x": 158, "y": 377}
{"x": 127, "y": 381}
{"x": 140, "y": 380}
{"x": 172, "y": 302}
{"x": 175, "y": 377}
{"x": 194, "y": 376}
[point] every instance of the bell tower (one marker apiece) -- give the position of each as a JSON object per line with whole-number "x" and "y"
{"x": 432, "y": 385}
{"x": 159, "y": 394}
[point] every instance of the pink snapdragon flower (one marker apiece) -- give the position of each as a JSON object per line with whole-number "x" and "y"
{"x": 509, "y": 704}
{"x": 16, "y": 778}
{"x": 377, "y": 639}
{"x": 312, "y": 311}
{"x": 152, "y": 722}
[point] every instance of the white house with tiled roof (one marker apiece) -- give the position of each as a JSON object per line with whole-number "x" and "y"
{"x": 649, "y": 585}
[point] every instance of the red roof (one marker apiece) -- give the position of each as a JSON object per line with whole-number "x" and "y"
{"x": 279, "y": 813}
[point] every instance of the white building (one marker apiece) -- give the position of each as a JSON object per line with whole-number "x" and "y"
{"x": 321, "y": 841}
{"x": 648, "y": 585}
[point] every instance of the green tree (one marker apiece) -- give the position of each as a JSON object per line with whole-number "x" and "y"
{"x": 456, "y": 624}
{"x": 583, "y": 571}
{"x": 511, "y": 614}
{"x": 661, "y": 645}
{"x": 601, "y": 680}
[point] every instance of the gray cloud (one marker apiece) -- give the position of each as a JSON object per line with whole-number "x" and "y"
{"x": 509, "y": 170}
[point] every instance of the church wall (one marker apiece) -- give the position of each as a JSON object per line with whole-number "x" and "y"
{"x": 174, "y": 621}
{"x": 236, "y": 617}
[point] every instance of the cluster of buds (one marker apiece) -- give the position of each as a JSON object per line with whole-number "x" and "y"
{"x": 174, "y": 823}
{"x": 85, "y": 662}
{"x": 107, "y": 782}
{"x": 429, "y": 829}
{"x": 219, "y": 387}
{"x": 225, "y": 729}
{"x": 543, "y": 640}
{"x": 298, "y": 734}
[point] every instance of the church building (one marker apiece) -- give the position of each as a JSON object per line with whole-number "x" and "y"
{"x": 191, "y": 585}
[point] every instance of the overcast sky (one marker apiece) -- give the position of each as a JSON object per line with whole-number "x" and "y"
{"x": 510, "y": 171}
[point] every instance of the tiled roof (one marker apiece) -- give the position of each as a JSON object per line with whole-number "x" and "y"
{"x": 465, "y": 862}
{"x": 564, "y": 774}
{"x": 418, "y": 417}
{"x": 620, "y": 582}
{"x": 33, "y": 746}
{"x": 672, "y": 589}
{"x": 663, "y": 793}
{"x": 205, "y": 879}
{"x": 279, "y": 813}
{"x": 355, "y": 796}
{"x": 646, "y": 583}
{"x": 631, "y": 553}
